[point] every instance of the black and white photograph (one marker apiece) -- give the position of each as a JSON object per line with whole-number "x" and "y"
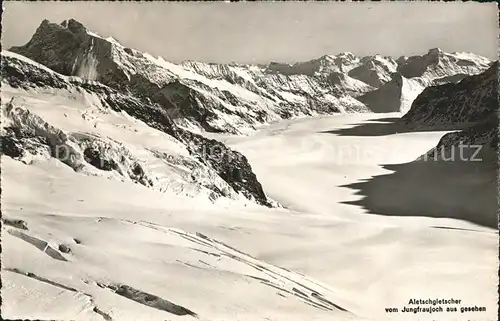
{"x": 249, "y": 161}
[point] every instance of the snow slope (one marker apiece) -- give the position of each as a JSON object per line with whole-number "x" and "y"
{"x": 112, "y": 209}
{"x": 98, "y": 131}
{"x": 135, "y": 253}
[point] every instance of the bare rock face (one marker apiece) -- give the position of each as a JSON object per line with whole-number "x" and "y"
{"x": 66, "y": 48}
{"x": 479, "y": 141}
{"x": 232, "y": 166}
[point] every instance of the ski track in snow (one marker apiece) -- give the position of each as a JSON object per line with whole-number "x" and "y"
{"x": 286, "y": 283}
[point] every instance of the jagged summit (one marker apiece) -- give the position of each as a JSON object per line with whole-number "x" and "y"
{"x": 321, "y": 67}
{"x": 71, "y": 25}
{"x": 437, "y": 63}
{"x": 74, "y": 26}
{"x": 347, "y": 54}
{"x": 66, "y": 48}
{"x": 435, "y": 51}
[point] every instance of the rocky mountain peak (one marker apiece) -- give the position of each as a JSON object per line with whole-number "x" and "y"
{"x": 47, "y": 28}
{"x": 347, "y": 55}
{"x": 435, "y": 52}
{"x": 75, "y": 26}
{"x": 437, "y": 64}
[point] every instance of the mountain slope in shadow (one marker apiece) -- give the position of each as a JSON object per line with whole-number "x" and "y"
{"x": 459, "y": 190}
{"x": 385, "y": 126}
{"x": 456, "y": 179}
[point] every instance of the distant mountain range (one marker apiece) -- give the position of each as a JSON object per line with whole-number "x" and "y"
{"x": 233, "y": 98}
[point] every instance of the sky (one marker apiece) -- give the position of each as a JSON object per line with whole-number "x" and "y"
{"x": 254, "y": 32}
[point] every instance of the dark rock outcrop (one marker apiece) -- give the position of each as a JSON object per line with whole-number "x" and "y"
{"x": 66, "y": 50}
{"x": 232, "y": 166}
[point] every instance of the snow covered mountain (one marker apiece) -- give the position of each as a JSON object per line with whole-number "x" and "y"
{"x": 103, "y": 76}
{"x": 439, "y": 64}
{"x": 235, "y": 98}
{"x": 218, "y": 98}
{"x": 471, "y": 106}
{"x": 470, "y": 100}
{"x": 374, "y": 70}
{"x": 414, "y": 74}
{"x": 116, "y": 207}
{"x": 344, "y": 83}
{"x": 322, "y": 66}
{"x": 97, "y": 130}
{"x": 384, "y": 84}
